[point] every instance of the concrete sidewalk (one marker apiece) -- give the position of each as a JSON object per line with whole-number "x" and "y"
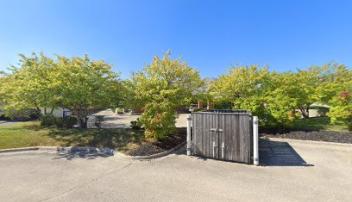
{"x": 31, "y": 176}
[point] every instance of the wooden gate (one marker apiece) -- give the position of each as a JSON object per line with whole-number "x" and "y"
{"x": 223, "y": 135}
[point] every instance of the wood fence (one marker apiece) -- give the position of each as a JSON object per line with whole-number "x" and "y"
{"x": 223, "y": 135}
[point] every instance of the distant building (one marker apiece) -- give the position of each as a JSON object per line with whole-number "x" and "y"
{"x": 58, "y": 112}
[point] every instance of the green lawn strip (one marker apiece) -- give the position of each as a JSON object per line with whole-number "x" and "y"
{"x": 32, "y": 134}
{"x": 25, "y": 134}
{"x": 318, "y": 123}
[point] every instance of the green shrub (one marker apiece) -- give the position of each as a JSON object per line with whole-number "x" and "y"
{"x": 47, "y": 120}
{"x": 70, "y": 121}
{"x": 119, "y": 110}
{"x": 161, "y": 88}
{"x": 67, "y": 122}
{"x": 159, "y": 120}
{"x": 341, "y": 108}
{"x": 136, "y": 124}
{"x": 59, "y": 122}
{"x": 22, "y": 115}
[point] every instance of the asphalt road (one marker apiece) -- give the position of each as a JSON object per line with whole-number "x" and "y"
{"x": 324, "y": 175}
{"x": 3, "y": 123}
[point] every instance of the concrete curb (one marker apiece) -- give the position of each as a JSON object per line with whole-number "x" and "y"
{"x": 23, "y": 149}
{"x": 56, "y": 149}
{"x": 309, "y": 141}
{"x": 153, "y": 156}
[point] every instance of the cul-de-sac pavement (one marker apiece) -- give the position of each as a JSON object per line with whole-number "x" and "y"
{"x": 324, "y": 175}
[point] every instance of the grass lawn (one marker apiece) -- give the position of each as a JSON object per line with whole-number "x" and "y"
{"x": 26, "y": 134}
{"x": 318, "y": 123}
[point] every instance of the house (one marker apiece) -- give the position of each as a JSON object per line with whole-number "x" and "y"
{"x": 59, "y": 112}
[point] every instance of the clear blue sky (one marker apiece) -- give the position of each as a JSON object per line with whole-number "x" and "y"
{"x": 210, "y": 35}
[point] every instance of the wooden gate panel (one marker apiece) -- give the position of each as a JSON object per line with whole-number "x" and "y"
{"x": 231, "y": 133}
{"x": 202, "y": 141}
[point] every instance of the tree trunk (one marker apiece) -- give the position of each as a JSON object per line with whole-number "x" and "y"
{"x": 39, "y": 112}
{"x": 83, "y": 122}
{"x": 52, "y": 110}
{"x": 82, "y": 117}
{"x": 305, "y": 112}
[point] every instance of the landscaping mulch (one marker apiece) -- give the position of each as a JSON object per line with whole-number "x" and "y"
{"x": 150, "y": 148}
{"x": 327, "y": 136}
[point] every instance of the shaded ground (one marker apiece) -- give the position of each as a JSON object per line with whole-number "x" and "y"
{"x": 317, "y": 129}
{"x": 328, "y": 136}
{"x": 43, "y": 177}
{"x": 278, "y": 153}
{"x": 170, "y": 142}
{"x": 26, "y": 134}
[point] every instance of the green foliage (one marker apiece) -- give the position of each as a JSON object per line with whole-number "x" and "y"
{"x": 341, "y": 107}
{"x": 67, "y": 122}
{"x": 77, "y": 83}
{"x": 246, "y": 88}
{"x": 160, "y": 89}
{"x": 81, "y": 84}
{"x": 48, "y": 120}
{"x": 137, "y": 124}
{"x": 119, "y": 110}
{"x": 159, "y": 119}
{"x": 84, "y": 84}
{"x": 21, "y": 115}
{"x": 278, "y": 97}
{"x": 30, "y": 85}
{"x": 336, "y": 91}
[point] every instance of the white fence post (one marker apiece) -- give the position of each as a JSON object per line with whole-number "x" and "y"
{"x": 255, "y": 141}
{"x": 189, "y": 143}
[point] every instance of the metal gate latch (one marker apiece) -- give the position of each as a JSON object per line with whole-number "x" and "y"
{"x": 216, "y": 130}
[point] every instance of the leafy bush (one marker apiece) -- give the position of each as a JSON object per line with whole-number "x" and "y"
{"x": 161, "y": 88}
{"x": 4, "y": 117}
{"x": 341, "y": 108}
{"x": 48, "y": 120}
{"x": 59, "y": 122}
{"x": 22, "y": 115}
{"x": 67, "y": 122}
{"x": 120, "y": 110}
{"x": 70, "y": 121}
{"x": 159, "y": 120}
{"x": 136, "y": 124}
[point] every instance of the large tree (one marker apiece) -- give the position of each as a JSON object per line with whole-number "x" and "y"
{"x": 246, "y": 87}
{"x": 77, "y": 83}
{"x": 272, "y": 96}
{"x": 336, "y": 91}
{"x": 84, "y": 84}
{"x": 29, "y": 85}
{"x": 161, "y": 88}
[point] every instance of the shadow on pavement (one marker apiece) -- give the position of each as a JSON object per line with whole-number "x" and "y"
{"x": 276, "y": 153}
{"x": 83, "y": 152}
{"x": 271, "y": 153}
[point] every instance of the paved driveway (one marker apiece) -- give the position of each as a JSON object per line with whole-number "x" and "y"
{"x": 326, "y": 175}
{"x": 113, "y": 120}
